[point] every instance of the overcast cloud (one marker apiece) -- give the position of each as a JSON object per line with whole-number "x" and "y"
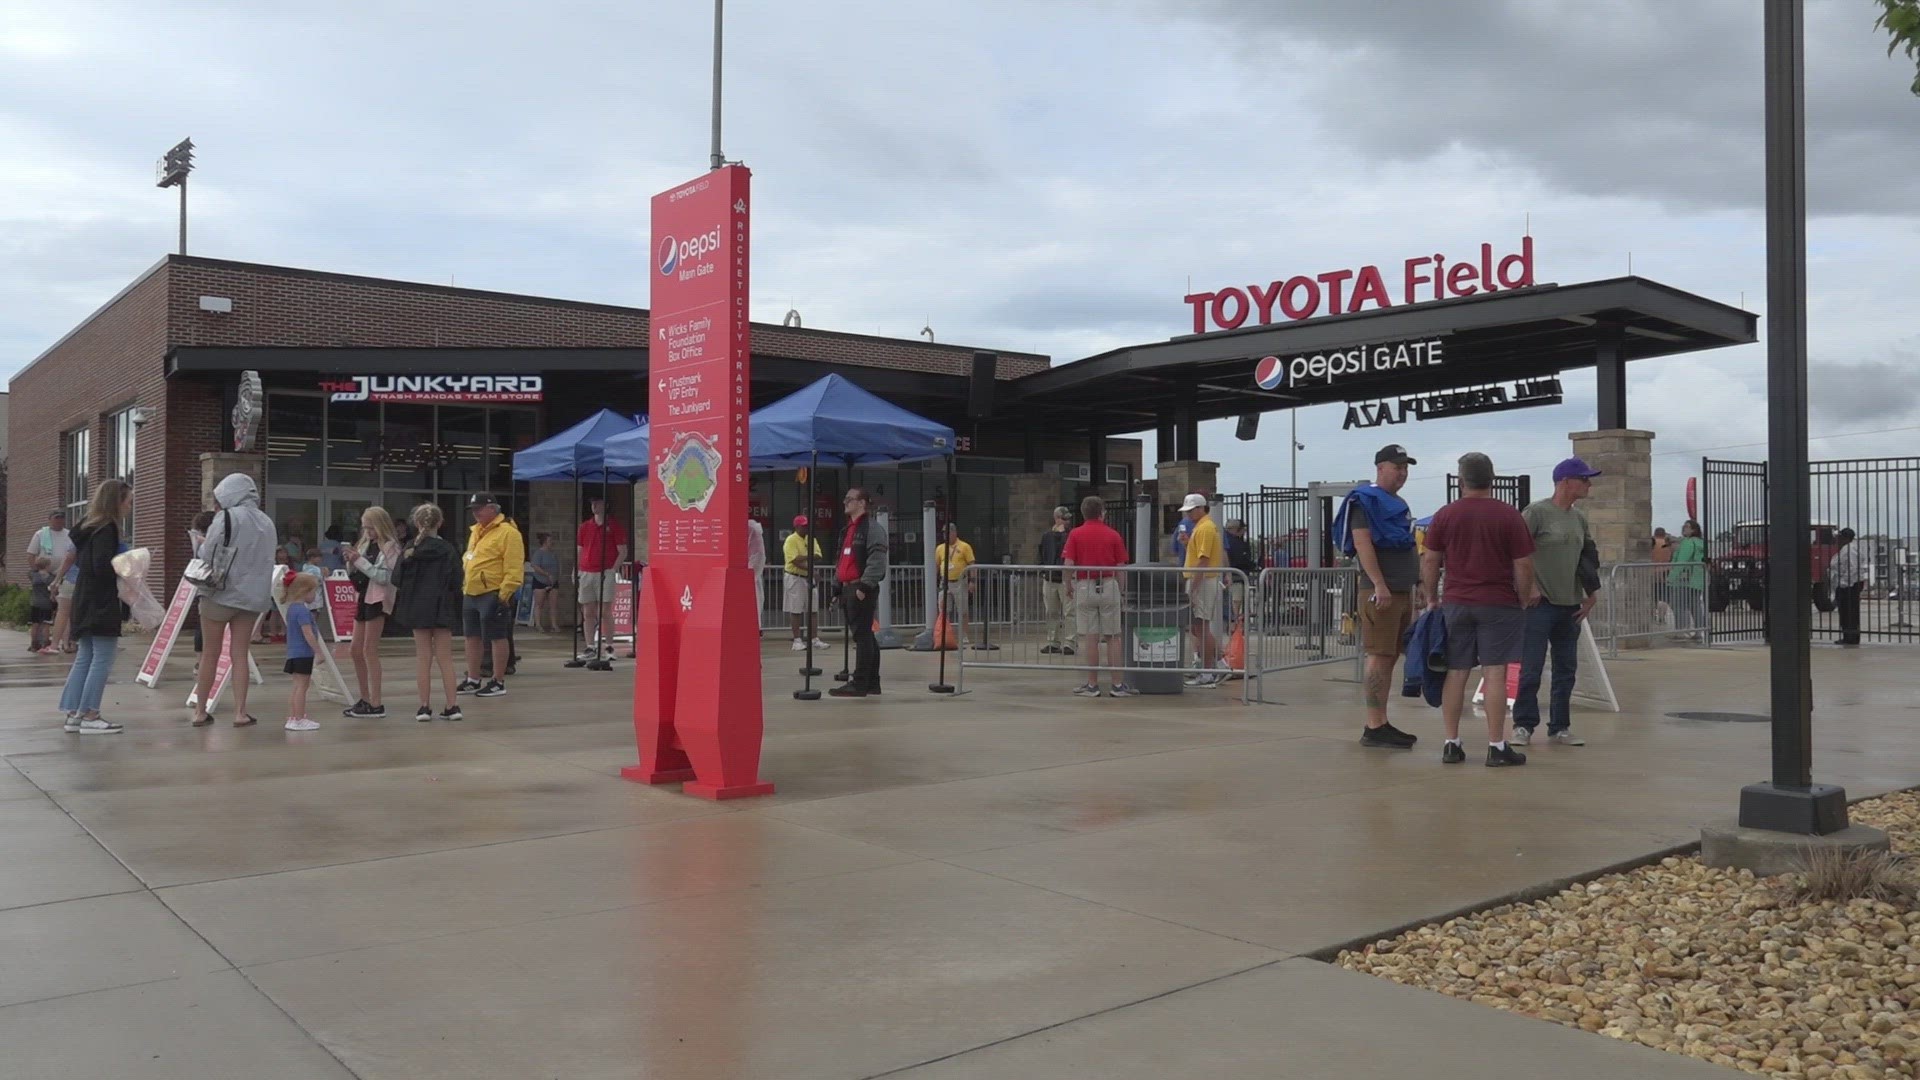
{"x": 1032, "y": 176}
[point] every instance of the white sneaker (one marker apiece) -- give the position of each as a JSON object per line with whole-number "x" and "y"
{"x": 818, "y": 644}
{"x": 799, "y": 646}
{"x": 1566, "y": 738}
{"x": 99, "y": 726}
{"x": 1521, "y": 737}
{"x": 303, "y": 725}
{"x": 73, "y": 723}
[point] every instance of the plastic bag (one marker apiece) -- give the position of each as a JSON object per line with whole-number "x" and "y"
{"x": 130, "y": 574}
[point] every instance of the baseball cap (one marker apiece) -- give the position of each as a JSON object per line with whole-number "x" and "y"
{"x": 1395, "y": 453}
{"x": 1574, "y": 468}
{"x": 1195, "y": 501}
{"x": 481, "y": 499}
{"x": 800, "y": 521}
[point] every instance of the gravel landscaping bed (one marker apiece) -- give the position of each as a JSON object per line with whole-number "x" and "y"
{"x": 1714, "y": 964}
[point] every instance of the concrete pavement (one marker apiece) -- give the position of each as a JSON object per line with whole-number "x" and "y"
{"x": 1013, "y": 883}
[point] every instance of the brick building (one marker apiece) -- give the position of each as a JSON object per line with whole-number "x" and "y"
{"x": 145, "y": 386}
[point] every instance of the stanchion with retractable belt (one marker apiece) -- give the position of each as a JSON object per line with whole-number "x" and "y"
{"x": 807, "y": 669}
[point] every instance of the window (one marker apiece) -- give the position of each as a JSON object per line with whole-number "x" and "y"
{"x": 76, "y": 454}
{"x": 1117, "y": 474}
{"x": 125, "y": 441}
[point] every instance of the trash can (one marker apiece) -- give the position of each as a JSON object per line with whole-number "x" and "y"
{"x": 1154, "y": 627}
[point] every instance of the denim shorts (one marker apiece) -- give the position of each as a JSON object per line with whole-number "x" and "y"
{"x": 485, "y": 617}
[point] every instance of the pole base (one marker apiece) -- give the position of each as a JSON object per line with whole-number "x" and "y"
{"x": 718, "y": 793}
{"x": 1810, "y": 811}
{"x": 940, "y": 688}
{"x": 842, "y": 676}
{"x": 811, "y": 672}
{"x": 640, "y": 775}
{"x": 984, "y": 647}
{"x": 806, "y": 695}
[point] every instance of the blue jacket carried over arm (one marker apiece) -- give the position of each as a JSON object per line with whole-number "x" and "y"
{"x": 1426, "y": 658}
{"x": 1388, "y": 518}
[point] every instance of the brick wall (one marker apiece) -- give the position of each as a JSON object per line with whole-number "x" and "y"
{"x": 112, "y": 361}
{"x": 117, "y": 358}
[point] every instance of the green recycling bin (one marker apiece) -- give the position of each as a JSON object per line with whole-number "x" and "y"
{"x": 1155, "y": 628}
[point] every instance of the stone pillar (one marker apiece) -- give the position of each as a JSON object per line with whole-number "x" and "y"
{"x": 1621, "y": 506}
{"x": 1031, "y": 498}
{"x": 1175, "y": 480}
{"x": 216, "y": 466}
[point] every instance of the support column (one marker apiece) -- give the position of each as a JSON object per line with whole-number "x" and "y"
{"x": 1165, "y": 442}
{"x": 1097, "y": 459}
{"x": 1030, "y": 450}
{"x": 1186, "y": 436}
{"x": 1176, "y": 480}
{"x": 1610, "y": 370}
{"x": 1620, "y": 510}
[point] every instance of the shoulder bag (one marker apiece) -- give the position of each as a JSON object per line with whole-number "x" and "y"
{"x": 210, "y": 575}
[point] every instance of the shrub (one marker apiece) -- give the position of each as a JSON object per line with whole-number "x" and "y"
{"x": 1840, "y": 874}
{"x": 16, "y": 604}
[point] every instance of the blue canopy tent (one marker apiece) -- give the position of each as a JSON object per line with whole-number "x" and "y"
{"x": 579, "y": 454}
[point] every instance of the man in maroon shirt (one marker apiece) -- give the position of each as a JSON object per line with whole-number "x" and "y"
{"x": 1487, "y": 550}
{"x": 1096, "y": 594}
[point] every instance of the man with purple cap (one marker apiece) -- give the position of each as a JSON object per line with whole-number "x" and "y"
{"x": 1567, "y": 572}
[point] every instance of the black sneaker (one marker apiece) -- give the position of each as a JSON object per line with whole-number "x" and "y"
{"x": 1452, "y": 754}
{"x": 496, "y": 688}
{"x": 577, "y": 662}
{"x": 1389, "y": 736}
{"x": 846, "y": 690}
{"x": 1046, "y": 650}
{"x": 467, "y": 686}
{"x": 1500, "y": 757}
{"x": 375, "y": 712}
{"x": 356, "y": 710}
{"x": 425, "y": 714}
{"x": 602, "y": 664}
{"x": 1066, "y": 650}
{"x": 452, "y": 712}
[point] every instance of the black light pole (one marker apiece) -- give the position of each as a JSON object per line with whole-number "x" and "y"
{"x": 1790, "y": 802}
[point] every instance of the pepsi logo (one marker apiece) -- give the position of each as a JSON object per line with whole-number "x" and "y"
{"x": 669, "y": 255}
{"x": 1269, "y": 373}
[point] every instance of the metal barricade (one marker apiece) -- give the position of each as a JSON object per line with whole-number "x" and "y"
{"x": 1642, "y": 604}
{"x": 1302, "y": 617}
{"x": 1170, "y": 623}
{"x": 906, "y": 589}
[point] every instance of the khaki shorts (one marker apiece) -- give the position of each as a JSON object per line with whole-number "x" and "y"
{"x": 793, "y": 593}
{"x": 1205, "y": 597}
{"x": 1096, "y": 606}
{"x": 221, "y": 613}
{"x": 1383, "y": 628}
{"x": 597, "y": 586}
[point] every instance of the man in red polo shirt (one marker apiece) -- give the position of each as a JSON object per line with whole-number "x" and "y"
{"x": 1096, "y": 594}
{"x": 602, "y": 547}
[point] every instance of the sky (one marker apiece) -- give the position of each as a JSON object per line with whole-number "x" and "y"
{"x": 1047, "y": 175}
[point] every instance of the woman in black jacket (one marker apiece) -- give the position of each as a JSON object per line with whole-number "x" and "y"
{"x": 97, "y": 614}
{"x": 427, "y": 601}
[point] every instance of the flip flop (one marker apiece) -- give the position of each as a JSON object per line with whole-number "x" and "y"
{"x": 248, "y": 722}
{"x": 204, "y": 721}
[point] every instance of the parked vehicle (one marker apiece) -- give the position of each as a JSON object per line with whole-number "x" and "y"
{"x": 1740, "y": 571}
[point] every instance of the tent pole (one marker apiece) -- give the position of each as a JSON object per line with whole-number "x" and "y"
{"x": 808, "y": 671}
{"x": 605, "y": 663}
{"x": 944, "y": 687}
{"x": 633, "y": 566}
{"x": 846, "y": 625}
{"x": 579, "y": 613}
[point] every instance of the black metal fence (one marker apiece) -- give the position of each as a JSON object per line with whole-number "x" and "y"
{"x": 1878, "y": 498}
{"x": 1515, "y": 491}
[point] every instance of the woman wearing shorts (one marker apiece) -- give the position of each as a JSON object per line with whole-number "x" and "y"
{"x": 378, "y": 547}
{"x": 229, "y": 614}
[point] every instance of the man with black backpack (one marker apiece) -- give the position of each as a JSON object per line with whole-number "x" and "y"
{"x": 862, "y": 573}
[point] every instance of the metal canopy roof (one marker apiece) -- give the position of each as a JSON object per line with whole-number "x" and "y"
{"x": 1511, "y": 334}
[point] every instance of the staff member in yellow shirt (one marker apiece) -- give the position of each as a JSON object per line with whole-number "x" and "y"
{"x": 800, "y": 551}
{"x": 1204, "y": 549}
{"x": 495, "y": 565}
{"x": 953, "y": 558}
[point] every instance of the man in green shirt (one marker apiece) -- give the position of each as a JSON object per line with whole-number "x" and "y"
{"x": 1567, "y": 581}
